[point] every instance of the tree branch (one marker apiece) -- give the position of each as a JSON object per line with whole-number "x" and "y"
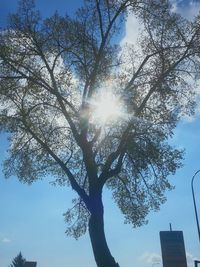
{"x": 81, "y": 192}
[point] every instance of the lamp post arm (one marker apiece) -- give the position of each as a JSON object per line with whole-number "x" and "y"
{"x": 194, "y": 200}
{"x": 196, "y": 263}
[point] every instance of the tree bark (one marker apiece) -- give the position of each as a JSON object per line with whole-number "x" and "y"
{"x": 100, "y": 248}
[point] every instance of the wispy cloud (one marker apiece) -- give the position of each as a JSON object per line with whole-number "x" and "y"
{"x": 190, "y": 259}
{"x": 155, "y": 259}
{"x": 191, "y": 119}
{"x": 188, "y": 9}
{"x": 5, "y": 240}
{"x": 151, "y": 258}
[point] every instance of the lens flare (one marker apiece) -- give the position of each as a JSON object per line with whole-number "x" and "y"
{"x": 106, "y": 108}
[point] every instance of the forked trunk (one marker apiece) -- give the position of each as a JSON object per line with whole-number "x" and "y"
{"x": 100, "y": 248}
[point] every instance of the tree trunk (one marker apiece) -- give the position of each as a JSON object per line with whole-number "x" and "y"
{"x": 100, "y": 248}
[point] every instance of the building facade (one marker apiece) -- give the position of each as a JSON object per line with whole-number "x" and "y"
{"x": 173, "y": 249}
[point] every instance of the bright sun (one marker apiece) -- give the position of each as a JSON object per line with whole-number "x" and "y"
{"x": 106, "y": 108}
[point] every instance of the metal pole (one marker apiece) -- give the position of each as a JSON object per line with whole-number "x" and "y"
{"x": 195, "y": 207}
{"x": 196, "y": 263}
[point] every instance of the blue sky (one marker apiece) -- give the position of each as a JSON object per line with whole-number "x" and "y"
{"x": 47, "y": 7}
{"x": 31, "y": 218}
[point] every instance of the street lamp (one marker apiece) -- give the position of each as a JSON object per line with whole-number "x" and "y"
{"x": 195, "y": 207}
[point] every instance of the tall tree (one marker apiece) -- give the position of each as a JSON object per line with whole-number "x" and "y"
{"x": 79, "y": 107}
{"x": 18, "y": 261}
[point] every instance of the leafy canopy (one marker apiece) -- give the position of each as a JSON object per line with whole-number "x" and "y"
{"x": 55, "y": 75}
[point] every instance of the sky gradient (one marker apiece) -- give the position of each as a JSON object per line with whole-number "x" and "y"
{"x": 31, "y": 218}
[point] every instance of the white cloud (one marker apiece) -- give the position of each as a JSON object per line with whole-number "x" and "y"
{"x": 132, "y": 29}
{"x": 188, "y": 9}
{"x": 191, "y": 119}
{"x": 151, "y": 258}
{"x": 190, "y": 259}
{"x": 155, "y": 259}
{"x": 5, "y": 240}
